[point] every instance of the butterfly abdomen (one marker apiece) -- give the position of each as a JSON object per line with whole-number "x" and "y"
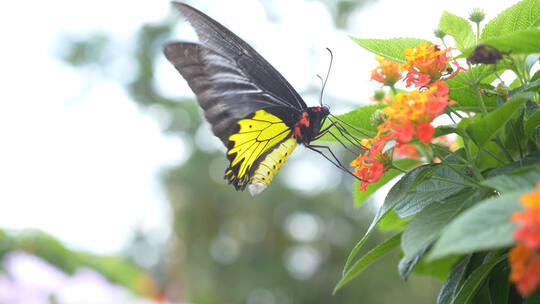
{"x": 268, "y": 167}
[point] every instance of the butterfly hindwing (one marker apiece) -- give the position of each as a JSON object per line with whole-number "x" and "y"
{"x": 256, "y": 136}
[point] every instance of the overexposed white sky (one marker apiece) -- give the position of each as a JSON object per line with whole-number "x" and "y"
{"x": 80, "y": 160}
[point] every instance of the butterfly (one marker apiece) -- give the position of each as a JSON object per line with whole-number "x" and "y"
{"x": 251, "y": 107}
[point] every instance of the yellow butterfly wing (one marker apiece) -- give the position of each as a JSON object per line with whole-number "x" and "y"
{"x": 262, "y": 140}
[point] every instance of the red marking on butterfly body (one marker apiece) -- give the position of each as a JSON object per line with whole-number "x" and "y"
{"x": 303, "y": 122}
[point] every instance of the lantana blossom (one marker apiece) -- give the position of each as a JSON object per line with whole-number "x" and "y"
{"x": 388, "y": 72}
{"x": 427, "y": 64}
{"x": 524, "y": 258}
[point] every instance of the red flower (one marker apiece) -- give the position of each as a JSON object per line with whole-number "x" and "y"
{"x": 524, "y": 257}
{"x": 371, "y": 165}
{"x": 403, "y": 133}
{"x": 403, "y": 150}
{"x": 425, "y": 131}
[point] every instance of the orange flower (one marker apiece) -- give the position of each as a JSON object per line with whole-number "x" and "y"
{"x": 531, "y": 199}
{"x": 425, "y": 132}
{"x": 525, "y": 272}
{"x": 403, "y": 150}
{"x": 371, "y": 165}
{"x": 387, "y": 73}
{"x": 524, "y": 257}
{"x": 426, "y": 64}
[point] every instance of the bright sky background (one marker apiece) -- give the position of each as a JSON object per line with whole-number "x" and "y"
{"x": 80, "y": 160}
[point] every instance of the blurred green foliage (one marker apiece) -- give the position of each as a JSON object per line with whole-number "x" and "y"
{"x": 228, "y": 247}
{"x": 116, "y": 269}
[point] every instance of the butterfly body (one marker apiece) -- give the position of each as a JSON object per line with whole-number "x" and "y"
{"x": 255, "y": 112}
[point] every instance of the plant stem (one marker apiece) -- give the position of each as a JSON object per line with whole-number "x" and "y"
{"x": 497, "y": 141}
{"x": 425, "y": 152}
{"x": 392, "y": 166}
{"x": 472, "y": 166}
{"x": 493, "y": 156}
{"x": 480, "y": 99}
{"x": 394, "y": 91}
{"x": 514, "y": 132}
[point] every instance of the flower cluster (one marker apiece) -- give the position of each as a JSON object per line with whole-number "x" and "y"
{"x": 371, "y": 165}
{"x": 427, "y": 64}
{"x": 387, "y": 73}
{"x": 525, "y": 256}
{"x": 411, "y": 114}
{"x": 407, "y": 115}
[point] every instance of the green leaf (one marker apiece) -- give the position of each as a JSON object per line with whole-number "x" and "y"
{"x": 520, "y": 16}
{"x": 531, "y": 86}
{"x": 406, "y": 266}
{"x": 482, "y": 227}
{"x": 366, "y": 260}
{"x": 483, "y": 129}
{"x": 530, "y": 61}
{"x": 536, "y": 76}
{"x": 427, "y": 225}
{"x": 445, "y": 130}
{"x": 429, "y": 191}
{"x": 410, "y": 180}
{"x": 361, "y": 196}
{"x": 520, "y": 179}
{"x": 521, "y": 42}
{"x": 473, "y": 283}
{"x": 392, "y": 222}
{"x": 499, "y": 285}
{"x": 439, "y": 269}
{"x": 392, "y": 49}
{"x": 453, "y": 281}
{"x": 459, "y": 28}
{"x": 460, "y": 90}
{"x": 360, "y": 118}
{"x": 529, "y": 160}
{"x": 531, "y": 123}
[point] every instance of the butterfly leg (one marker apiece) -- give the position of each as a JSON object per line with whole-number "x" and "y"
{"x": 335, "y": 161}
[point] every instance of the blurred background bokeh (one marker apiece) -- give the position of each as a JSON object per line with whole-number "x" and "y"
{"x": 111, "y": 183}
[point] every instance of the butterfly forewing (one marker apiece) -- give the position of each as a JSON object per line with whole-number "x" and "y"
{"x": 224, "y": 42}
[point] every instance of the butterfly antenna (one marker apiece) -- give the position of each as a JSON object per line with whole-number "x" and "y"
{"x": 326, "y": 78}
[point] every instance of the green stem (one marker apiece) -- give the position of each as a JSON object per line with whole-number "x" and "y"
{"x": 477, "y": 32}
{"x": 392, "y": 166}
{"x": 444, "y": 43}
{"x": 493, "y": 155}
{"x": 435, "y": 149}
{"x": 516, "y": 140}
{"x": 425, "y": 152}
{"x": 480, "y": 99}
{"x": 471, "y": 163}
{"x": 499, "y": 144}
{"x": 394, "y": 91}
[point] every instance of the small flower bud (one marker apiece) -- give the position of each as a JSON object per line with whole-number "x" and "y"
{"x": 502, "y": 90}
{"x": 378, "y": 95}
{"x": 378, "y": 117}
{"x": 439, "y": 33}
{"x": 477, "y": 15}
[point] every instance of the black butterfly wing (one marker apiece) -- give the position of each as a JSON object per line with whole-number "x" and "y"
{"x": 231, "y": 80}
{"x": 223, "y": 91}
